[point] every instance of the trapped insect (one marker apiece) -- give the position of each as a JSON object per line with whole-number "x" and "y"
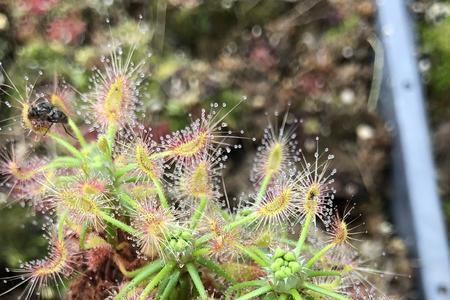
{"x": 45, "y": 114}
{"x": 136, "y": 215}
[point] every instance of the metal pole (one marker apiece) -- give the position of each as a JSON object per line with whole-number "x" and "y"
{"x": 416, "y": 204}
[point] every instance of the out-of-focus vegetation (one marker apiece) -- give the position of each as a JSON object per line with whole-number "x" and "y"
{"x": 434, "y": 28}
{"x": 313, "y": 54}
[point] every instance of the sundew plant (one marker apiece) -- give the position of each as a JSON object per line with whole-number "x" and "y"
{"x": 134, "y": 216}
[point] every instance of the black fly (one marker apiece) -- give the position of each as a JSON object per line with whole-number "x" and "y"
{"x": 45, "y": 112}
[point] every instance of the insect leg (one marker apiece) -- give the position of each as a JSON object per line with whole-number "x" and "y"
{"x": 48, "y": 128}
{"x": 65, "y": 129}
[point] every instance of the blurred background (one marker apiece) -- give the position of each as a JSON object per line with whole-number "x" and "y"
{"x": 320, "y": 56}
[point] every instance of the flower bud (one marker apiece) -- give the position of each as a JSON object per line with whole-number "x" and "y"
{"x": 103, "y": 145}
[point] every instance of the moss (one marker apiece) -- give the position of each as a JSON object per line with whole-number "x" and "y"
{"x": 348, "y": 25}
{"x": 435, "y": 44}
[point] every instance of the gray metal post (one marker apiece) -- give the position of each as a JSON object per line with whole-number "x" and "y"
{"x": 416, "y": 204}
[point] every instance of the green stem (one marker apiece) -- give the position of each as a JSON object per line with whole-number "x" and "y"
{"x": 323, "y": 273}
{"x": 111, "y": 134}
{"x": 215, "y": 268}
{"x": 262, "y": 189}
{"x": 161, "y": 154}
{"x": 126, "y": 199}
{"x": 124, "y": 170}
{"x": 162, "y": 285}
{"x": 241, "y": 221}
{"x": 118, "y": 223}
{"x": 170, "y": 285}
{"x": 129, "y": 274}
{"x": 184, "y": 288}
{"x": 132, "y": 274}
{"x": 111, "y": 234}
{"x": 288, "y": 242}
{"x": 203, "y": 239}
{"x": 77, "y": 132}
{"x": 132, "y": 179}
{"x": 62, "y": 162}
{"x": 83, "y": 235}
{"x": 65, "y": 179}
{"x": 104, "y": 146}
{"x": 199, "y": 212}
{"x": 261, "y": 254}
{"x": 319, "y": 255}
{"x": 295, "y": 294}
{"x": 74, "y": 151}
{"x": 303, "y": 234}
{"x": 160, "y": 192}
{"x": 283, "y": 297}
{"x": 228, "y": 227}
{"x": 201, "y": 251}
{"x": 155, "y": 280}
{"x": 253, "y": 256}
{"x": 320, "y": 290}
{"x": 262, "y": 290}
{"x": 245, "y": 284}
{"x": 197, "y": 281}
{"x": 144, "y": 273}
{"x": 61, "y": 221}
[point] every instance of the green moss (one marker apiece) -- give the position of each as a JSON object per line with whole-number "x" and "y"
{"x": 435, "y": 39}
{"x": 348, "y": 25}
{"x": 436, "y": 42}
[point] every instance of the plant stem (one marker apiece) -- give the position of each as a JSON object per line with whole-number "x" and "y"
{"x": 323, "y": 273}
{"x": 162, "y": 285}
{"x": 253, "y": 256}
{"x": 119, "y": 172}
{"x": 211, "y": 265}
{"x": 132, "y": 179}
{"x": 64, "y": 179}
{"x": 161, "y": 154}
{"x": 241, "y": 221}
{"x": 61, "y": 221}
{"x": 184, "y": 288}
{"x": 111, "y": 134}
{"x": 260, "y": 253}
{"x": 74, "y": 151}
{"x": 160, "y": 192}
{"x": 283, "y": 297}
{"x": 144, "y": 273}
{"x": 228, "y": 227}
{"x": 203, "y": 239}
{"x": 201, "y": 251}
{"x": 197, "y": 281}
{"x": 320, "y": 290}
{"x": 62, "y": 162}
{"x": 170, "y": 285}
{"x": 262, "y": 290}
{"x": 245, "y": 284}
{"x": 319, "y": 255}
{"x": 126, "y": 199}
{"x": 118, "y": 223}
{"x": 129, "y": 274}
{"x": 111, "y": 234}
{"x": 303, "y": 234}
{"x": 155, "y": 280}
{"x": 199, "y": 212}
{"x": 295, "y": 294}
{"x": 83, "y": 235}
{"x": 77, "y": 132}
{"x": 262, "y": 189}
